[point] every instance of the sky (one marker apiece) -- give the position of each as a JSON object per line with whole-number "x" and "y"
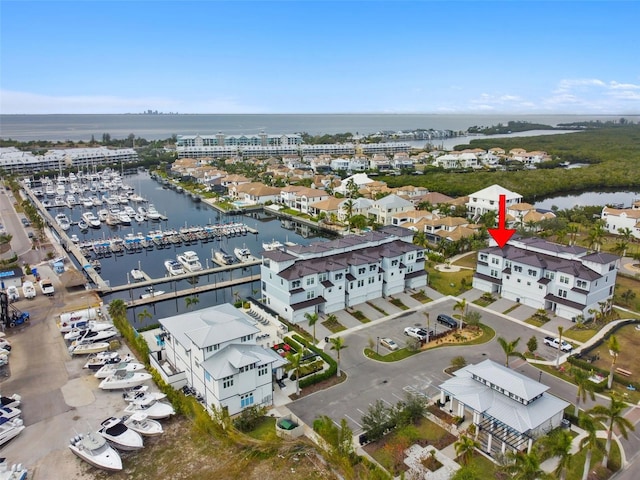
{"x": 454, "y": 57}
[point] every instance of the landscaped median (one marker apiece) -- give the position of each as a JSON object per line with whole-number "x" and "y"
{"x": 467, "y": 336}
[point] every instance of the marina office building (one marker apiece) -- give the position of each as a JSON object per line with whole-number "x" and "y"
{"x": 569, "y": 281}
{"x": 329, "y": 276}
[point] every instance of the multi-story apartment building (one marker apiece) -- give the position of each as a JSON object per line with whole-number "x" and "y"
{"x": 330, "y": 276}
{"x": 618, "y": 219}
{"x": 568, "y": 281}
{"x": 300, "y": 198}
{"x": 215, "y": 348}
{"x": 487, "y": 199}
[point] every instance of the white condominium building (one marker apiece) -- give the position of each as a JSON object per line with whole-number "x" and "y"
{"x": 568, "y": 281}
{"x": 329, "y": 276}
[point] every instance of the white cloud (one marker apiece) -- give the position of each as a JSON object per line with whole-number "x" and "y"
{"x": 13, "y": 102}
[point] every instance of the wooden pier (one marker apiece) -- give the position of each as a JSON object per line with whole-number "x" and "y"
{"x": 192, "y": 290}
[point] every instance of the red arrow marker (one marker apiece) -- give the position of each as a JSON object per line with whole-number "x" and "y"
{"x": 501, "y": 234}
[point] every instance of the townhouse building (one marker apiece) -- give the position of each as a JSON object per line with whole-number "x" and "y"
{"x": 254, "y": 193}
{"x": 214, "y": 350}
{"x": 384, "y": 209}
{"x": 568, "y": 281}
{"x": 488, "y": 199}
{"x": 617, "y": 219}
{"x": 301, "y": 198}
{"x": 330, "y": 276}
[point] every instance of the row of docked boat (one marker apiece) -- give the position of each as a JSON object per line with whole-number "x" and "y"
{"x": 11, "y": 424}
{"x": 158, "y": 239}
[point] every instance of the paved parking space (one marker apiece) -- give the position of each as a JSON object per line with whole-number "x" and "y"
{"x": 385, "y": 305}
{"x": 368, "y": 311}
{"x": 471, "y": 295}
{"x": 523, "y": 312}
{"x": 408, "y": 300}
{"x": 502, "y": 305}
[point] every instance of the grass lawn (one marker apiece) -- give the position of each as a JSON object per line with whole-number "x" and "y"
{"x": 577, "y": 462}
{"x": 334, "y": 326}
{"x": 361, "y": 316}
{"x": 483, "y": 302}
{"x": 535, "y": 321}
{"x": 511, "y": 309}
{"x": 398, "y": 303}
{"x": 579, "y": 334}
{"x": 264, "y": 430}
{"x": 399, "y": 354}
{"x": 469, "y": 260}
{"x": 624, "y": 283}
{"x": 450, "y": 283}
{"x": 421, "y": 297}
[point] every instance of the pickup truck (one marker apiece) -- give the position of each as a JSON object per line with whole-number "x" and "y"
{"x": 47, "y": 287}
{"x": 554, "y": 342}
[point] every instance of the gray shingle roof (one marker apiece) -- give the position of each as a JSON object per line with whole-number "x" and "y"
{"x": 228, "y": 361}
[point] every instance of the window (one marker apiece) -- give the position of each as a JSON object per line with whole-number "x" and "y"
{"x": 564, "y": 279}
{"x": 484, "y": 257}
{"x": 532, "y": 273}
{"x": 372, "y": 268}
{"x": 311, "y": 281}
{"x": 562, "y": 293}
{"x": 361, "y": 271}
{"x": 246, "y": 400}
{"x": 295, "y": 284}
{"x": 410, "y": 256}
{"x": 371, "y": 280}
{"x": 227, "y": 381}
{"x": 263, "y": 370}
{"x": 494, "y": 273}
{"x": 549, "y": 275}
{"x": 495, "y": 261}
{"x": 581, "y": 284}
{"x": 394, "y": 263}
{"x": 322, "y": 277}
{"x": 311, "y": 294}
{"x": 338, "y": 276}
{"x": 207, "y": 376}
{"x": 517, "y": 268}
{"x": 246, "y": 338}
{"x": 361, "y": 283}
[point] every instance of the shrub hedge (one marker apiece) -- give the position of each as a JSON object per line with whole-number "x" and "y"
{"x": 318, "y": 377}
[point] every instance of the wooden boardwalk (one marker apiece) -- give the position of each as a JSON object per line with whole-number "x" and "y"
{"x": 191, "y": 290}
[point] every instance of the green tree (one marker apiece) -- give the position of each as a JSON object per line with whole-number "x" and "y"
{"x": 144, "y": 315}
{"x": 532, "y": 345}
{"x": 337, "y": 344}
{"x": 589, "y": 443}
{"x": 313, "y": 319}
{"x": 117, "y": 309}
{"x": 295, "y": 362}
{"x": 557, "y": 444}
{"x": 614, "y": 350}
{"x": 525, "y": 466}
{"x": 612, "y": 416}
{"x": 191, "y": 301}
{"x": 509, "y": 349}
{"x": 471, "y": 472}
{"x": 375, "y": 421}
{"x": 627, "y": 236}
{"x": 465, "y": 446}
{"x": 462, "y": 306}
{"x": 583, "y": 384}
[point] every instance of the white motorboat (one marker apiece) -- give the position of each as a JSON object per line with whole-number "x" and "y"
{"x": 123, "y": 379}
{"x": 152, "y": 292}
{"x": 174, "y": 267}
{"x": 152, "y": 212}
{"x": 151, "y": 407}
{"x": 63, "y": 221}
{"x": 120, "y": 435}
{"x": 124, "y": 219}
{"x": 190, "y": 261}
{"x": 75, "y": 332}
{"x": 141, "y": 393}
{"x": 75, "y": 238}
{"x": 142, "y": 211}
{"x": 103, "y": 213}
{"x": 138, "y": 217}
{"x": 12, "y": 472}
{"x": 12, "y": 401}
{"x": 91, "y": 219}
{"x": 10, "y": 428}
{"x": 10, "y": 412}
{"x": 243, "y": 254}
{"x": 99, "y": 360}
{"x": 272, "y": 245}
{"x": 87, "y": 348}
{"x": 82, "y": 225}
{"x": 112, "y": 368}
{"x": 222, "y": 258}
{"x": 141, "y": 423}
{"x": 13, "y": 293}
{"x": 137, "y": 275}
{"x": 28, "y": 290}
{"x": 94, "y": 449}
{"x": 91, "y": 336}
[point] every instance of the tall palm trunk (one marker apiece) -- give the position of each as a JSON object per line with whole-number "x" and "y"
{"x": 587, "y": 465}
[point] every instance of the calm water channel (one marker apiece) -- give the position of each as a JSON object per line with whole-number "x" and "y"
{"x": 182, "y": 211}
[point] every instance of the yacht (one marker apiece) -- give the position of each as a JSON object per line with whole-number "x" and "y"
{"x": 103, "y": 213}
{"x": 242, "y": 254}
{"x": 87, "y": 348}
{"x": 174, "y": 267}
{"x": 12, "y": 401}
{"x": 120, "y": 435}
{"x": 190, "y": 261}
{"x": 63, "y": 221}
{"x": 137, "y": 275}
{"x": 139, "y": 422}
{"x": 12, "y": 472}
{"x": 120, "y": 367}
{"x": 94, "y": 449}
{"x": 223, "y": 258}
{"x": 151, "y": 407}
{"x": 151, "y": 292}
{"x": 91, "y": 219}
{"x": 272, "y": 245}
{"x": 122, "y": 379}
{"x": 124, "y": 218}
{"x": 152, "y": 213}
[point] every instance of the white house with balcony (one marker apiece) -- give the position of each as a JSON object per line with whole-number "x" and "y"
{"x": 568, "y": 281}
{"x": 326, "y": 277}
{"x": 510, "y": 411}
{"x": 216, "y": 350}
{"x": 384, "y": 209}
{"x": 487, "y": 199}
{"x": 617, "y": 219}
{"x": 301, "y": 198}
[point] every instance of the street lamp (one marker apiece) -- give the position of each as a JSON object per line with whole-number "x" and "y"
{"x": 377, "y": 344}
{"x": 540, "y": 377}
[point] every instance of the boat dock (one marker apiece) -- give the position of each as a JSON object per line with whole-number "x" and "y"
{"x": 191, "y": 290}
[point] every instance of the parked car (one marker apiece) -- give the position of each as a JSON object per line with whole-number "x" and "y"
{"x": 447, "y": 321}
{"x": 389, "y": 343}
{"x": 47, "y": 287}
{"x": 555, "y": 342}
{"x": 25, "y": 221}
{"x": 415, "y": 333}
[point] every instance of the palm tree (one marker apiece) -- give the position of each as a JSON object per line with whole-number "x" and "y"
{"x": 117, "y": 309}
{"x": 560, "y": 332}
{"x": 614, "y": 350}
{"x": 143, "y": 315}
{"x": 509, "y": 349}
{"x": 465, "y": 447}
{"x": 525, "y": 466}
{"x": 347, "y": 206}
{"x": 581, "y": 379}
{"x": 596, "y": 234}
{"x": 612, "y": 416}
{"x": 295, "y": 360}
{"x": 191, "y": 301}
{"x": 337, "y": 344}
{"x": 572, "y": 230}
{"x": 627, "y": 236}
{"x": 463, "y": 307}
{"x": 558, "y": 444}
{"x": 313, "y": 319}
{"x": 589, "y": 442}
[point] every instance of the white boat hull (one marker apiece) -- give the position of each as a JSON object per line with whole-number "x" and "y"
{"x": 130, "y": 380}
{"x": 141, "y": 423}
{"x": 94, "y": 450}
{"x": 87, "y": 348}
{"x": 108, "y": 370}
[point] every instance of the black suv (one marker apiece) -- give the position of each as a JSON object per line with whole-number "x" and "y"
{"x": 447, "y": 321}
